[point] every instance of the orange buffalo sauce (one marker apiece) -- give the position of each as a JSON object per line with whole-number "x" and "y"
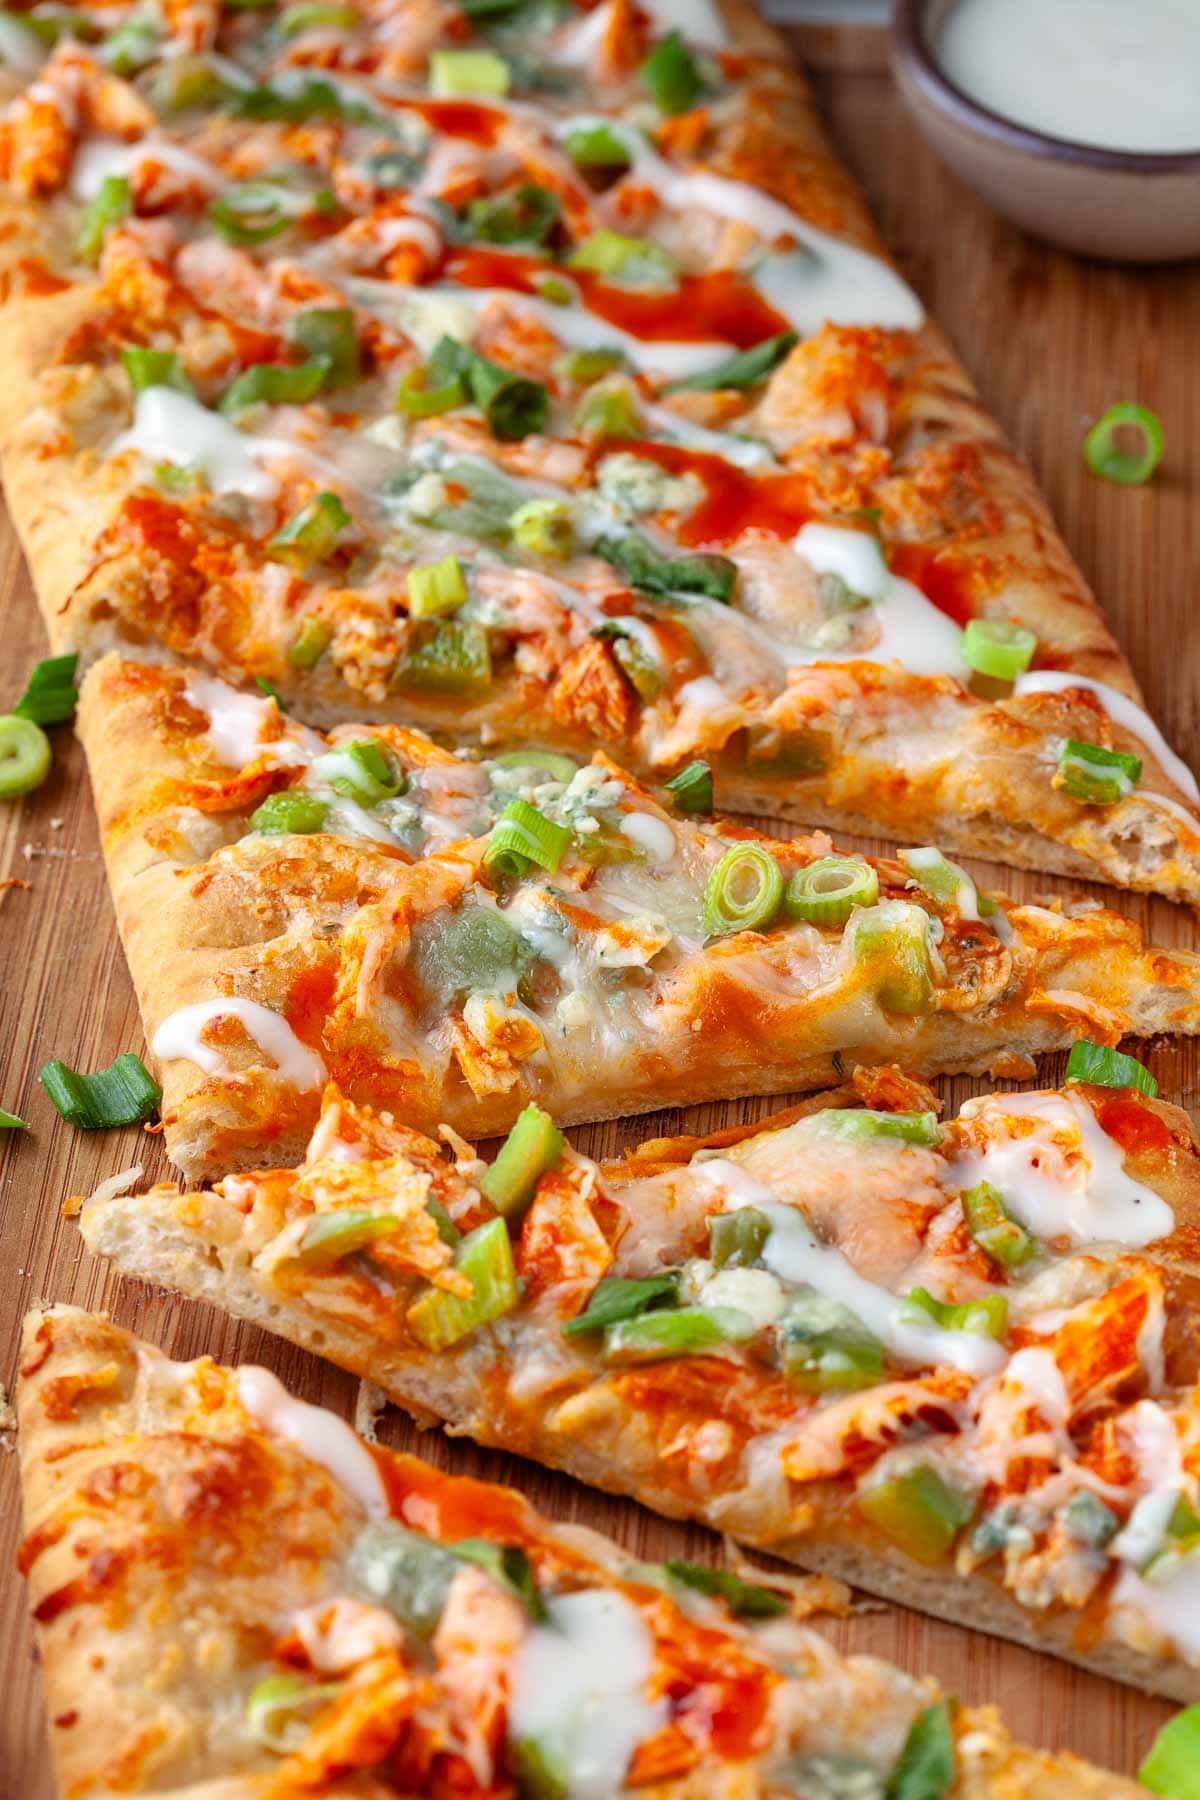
{"x": 735, "y": 500}
{"x": 943, "y": 580}
{"x": 1132, "y": 1122}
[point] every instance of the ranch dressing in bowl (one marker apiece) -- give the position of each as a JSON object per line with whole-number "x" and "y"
{"x": 1111, "y": 73}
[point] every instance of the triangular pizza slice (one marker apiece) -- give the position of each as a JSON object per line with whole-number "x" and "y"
{"x": 236, "y": 1598}
{"x": 596, "y": 948}
{"x": 954, "y": 1363}
{"x": 538, "y": 379}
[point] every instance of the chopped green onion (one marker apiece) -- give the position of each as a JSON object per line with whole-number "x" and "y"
{"x": 827, "y": 891}
{"x": 438, "y": 1319}
{"x": 983, "y": 1318}
{"x": 304, "y": 97}
{"x": 692, "y": 788}
{"x": 310, "y": 643}
{"x": 736, "y": 1239}
{"x": 271, "y": 691}
{"x": 449, "y": 656}
{"x": 608, "y": 410}
{"x": 996, "y": 648}
{"x": 1089, "y": 1521}
{"x": 940, "y": 878}
{"x": 617, "y": 1298}
{"x": 373, "y": 777}
{"x": 918, "y": 1511}
{"x": 24, "y": 756}
{"x": 329, "y": 332}
{"x": 275, "y": 384}
{"x": 681, "y": 1331}
{"x": 642, "y": 566}
{"x": 310, "y": 536}
{"x": 435, "y": 588}
{"x": 1172, "y": 1765}
{"x": 419, "y": 400}
{"x": 544, "y": 528}
{"x": 584, "y": 366}
{"x": 454, "y": 72}
{"x": 597, "y": 147}
{"x": 824, "y": 1347}
{"x": 744, "y": 891}
{"x": 554, "y": 289}
{"x": 642, "y": 667}
{"x": 521, "y": 836}
{"x": 50, "y": 695}
{"x": 671, "y": 74}
{"x": 532, "y": 1147}
{"x": 316, "y": 15}
{"x": 289, "y": 813}
{"x": 1102, "y": 1067}
{"x": 928, "y": 1762}
{"x": 122, "y": 1094}
{"x": 251, "y": 212}
{"x": 744, "y": 369}
{"x": 610, "y": 253}
{"x": 1130, "y": 467}
{"x": 508, "y": 1565}
{"x": 992, "y": 1227}
{"x": 183, "y": 82}
{"x": 330, "y": 1236}
{"x": 859, "y": 1125}
{"x": 1097, "y": 776}
{"x": 526, "y": 215}
{"x": 148, "y": 368}
{"x": 892, "y": 940}
{"x": 447, "y": 1230}
{"x": 513, "y": 405}
{"x": 275, "y": 1707}
{"x": 557, "y": 767}
{"x": 111, "y": 203}
{"x": 743, "y": 1598}
{"x": 10, "y": 1122}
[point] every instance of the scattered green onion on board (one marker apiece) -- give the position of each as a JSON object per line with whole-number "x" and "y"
{"x": 827, "y": 891}
{"x": 10, "y": 1122}
{"x": 122, "y": 1094}
{"x": 1172, "y": 1765}
{"x": 24, "y": 756}
{"x": 1102, "y": 1067}
{"x": 998, "y": 649}
{"x": 1103, "y": 455}
{"x": 744, "y": 891}
{"x": 50, "y": 696}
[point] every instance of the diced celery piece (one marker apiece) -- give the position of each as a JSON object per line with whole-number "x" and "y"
{"x": 918, "y": 1511}
{"x": 532, "y": 1147}
{"x": 438, "y": 1319}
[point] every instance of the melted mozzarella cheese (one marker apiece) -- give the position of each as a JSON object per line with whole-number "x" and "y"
{"x": 318, "y": 1434}
{"x": 172, "y": 427}
{"x": 21, "y": 50}
{"x": 1066, "y": 1177}
{"x": 1161, "y": 1613}
{"x": 346, "y": 1633}
{"x": 699, "y": 21}
{"x": 180, "y": 1036}
{"x": 100, "y": 157}
{"x": 912, "y": 630}
{"x": 1123, "y": 711}
{"x": 579, "y": 1690}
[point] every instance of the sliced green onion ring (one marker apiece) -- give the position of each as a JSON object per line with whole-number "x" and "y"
{"x": 828, "y": 890}
{"x": 50, "y": 696}
{"x": 742, "y": 370}
{"x": 1094, "y": 775}
{"x": 416, "y": 397}
{"x": 1102, "y": 1067}
{"x": 277, "y": 1703}
{"x": 311, "y": 534}
{"x": 522, "y": 836}
{"x": 122, "y": 1094}
{"x": 983, "y": 1318}
{"x": 744, "y": 891}
{"x": 275, "y": 384}
{"x": 147, "y": 368}
{"x": 556, "y": 766}
{"x": 24, "y": 756}
{"x": 619, "y": 1297}
{"x": 993, "y": 1228}
{"x": 1104, "y": 457}
{"x": 436, "y": 588}
{"x": 671, "y": 75}
{"x": 996, "y": 648}
{"x": 289, "y": 813}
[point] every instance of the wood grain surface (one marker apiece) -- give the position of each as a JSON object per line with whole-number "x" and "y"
{"x": 1051, "y": 342}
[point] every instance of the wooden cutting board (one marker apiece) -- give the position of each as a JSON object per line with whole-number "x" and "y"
{"x": 1052, "y": 343}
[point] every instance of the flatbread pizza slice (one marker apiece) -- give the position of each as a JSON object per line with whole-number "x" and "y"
{"x": 599, "y": 949}
{"x": 955, "y": 1364}
{"x": 543, "y": 381}
{"x": 238, "y": 1599}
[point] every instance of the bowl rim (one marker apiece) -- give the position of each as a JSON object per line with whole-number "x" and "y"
{"x": 913, "y": 50}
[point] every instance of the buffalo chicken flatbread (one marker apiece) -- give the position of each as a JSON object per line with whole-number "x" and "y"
{"x": 238, "y": 1599}
{"x": 532, "y": 374}
{"x": 598, "y": 949}
{"x": 956, "y": 1363}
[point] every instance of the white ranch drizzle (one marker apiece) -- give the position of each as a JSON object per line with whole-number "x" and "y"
{"x": 652, "y": 835}
{"x": 912, "y": 630}
{"x": 579, "y": 1690}
{"x": 172, "y": 427}
{"x": 1091, "y": 1201}
{"x": 236, "y": 722}
{"x": 1123, "y": 711}
{"x": 318, "y": 1434}
{"x": 101, "y": 157}
{"x": 179, "y": 1036}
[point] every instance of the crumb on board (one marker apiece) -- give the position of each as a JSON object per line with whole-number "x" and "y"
{"x": 369, "y": 1403}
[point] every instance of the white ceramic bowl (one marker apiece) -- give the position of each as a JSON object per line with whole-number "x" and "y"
{"x": 1122, "y": 205}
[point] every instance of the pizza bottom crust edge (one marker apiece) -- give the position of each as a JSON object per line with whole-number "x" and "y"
{"x": 140, "y": 1235}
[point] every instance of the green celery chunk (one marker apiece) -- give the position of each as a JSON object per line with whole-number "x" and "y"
{"x": 473, "y": 948}
{"x": 1094, "y": 775}
{"x": 448, "y": 656}
{"x": 983, "y": 1318}
{"x": 532, "y": 1147}
{"x": 291, "y": 812}
{"x": 617, "y": 1297}
{"x": 736, "y": 1239}
{"x": 990, "y": 1224}
{"x": 436, "y": 588}
{"x": 683, "y": 1331}
{"x": 824, "y": 1347}
{"x": 1102, "y": 1067}
{"x": 50, "y": 695}
{"x": 438, "y": 1319}
{"x": 744, "y": 1599}
{"x": 544, "y": 528}
{"x": 329, "y": 1236}
{"x": 917, "y": 1511}
{"x": 310, "y": 643}
{"x": 891, "y": 941}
